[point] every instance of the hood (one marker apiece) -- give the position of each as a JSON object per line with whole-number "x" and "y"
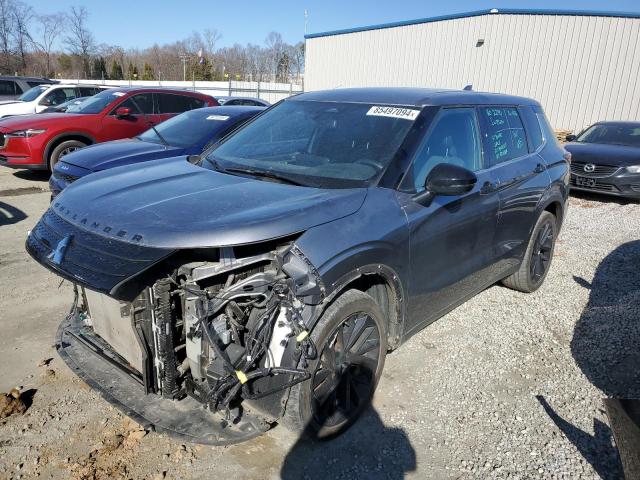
{"x": 8, "y": 102}
{"x": 41, "y": 120}
{"x": 616, "y": 155}
{"x": 17, "y": 108}
{"x": 118, "y": 153}
{"x": 174, "y": 204}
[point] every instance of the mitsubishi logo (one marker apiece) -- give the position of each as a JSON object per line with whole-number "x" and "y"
{"x": 57, "y": 255}
{"x": 589, "y": 168}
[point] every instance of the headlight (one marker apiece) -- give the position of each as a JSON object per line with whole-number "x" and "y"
{"x": 31, "y": 132}
{"x": 633, "y": 169}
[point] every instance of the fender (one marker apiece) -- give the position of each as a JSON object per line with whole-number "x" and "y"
{"x": 47, "y": 150}
{"x": 395, "y": 325}
{"x": 555, "y": 193}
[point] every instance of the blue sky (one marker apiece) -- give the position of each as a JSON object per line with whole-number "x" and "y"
{"x": 140, "y": 23}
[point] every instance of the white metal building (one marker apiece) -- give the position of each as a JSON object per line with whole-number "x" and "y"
{"x": 582, "y": 66}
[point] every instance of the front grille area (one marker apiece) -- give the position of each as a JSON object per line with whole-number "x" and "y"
{"x": 64, "y": 177}
{"x": 91, "y": 260}
{"x": 600, "y": 171}
{"x": 635, "y": 187}
{"x": 599, "y": 186}
{"x": 3, "y": 140}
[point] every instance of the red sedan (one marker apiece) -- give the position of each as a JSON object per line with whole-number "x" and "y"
{"x": 38, "y": 141}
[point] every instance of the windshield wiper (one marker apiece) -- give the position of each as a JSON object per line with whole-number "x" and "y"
{"x": 262, "y": 173}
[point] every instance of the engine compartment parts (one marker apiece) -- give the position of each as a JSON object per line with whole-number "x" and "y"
{"x": 218, "y": 333}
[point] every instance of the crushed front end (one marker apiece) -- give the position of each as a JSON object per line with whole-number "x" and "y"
{"x": 203, "y": 344}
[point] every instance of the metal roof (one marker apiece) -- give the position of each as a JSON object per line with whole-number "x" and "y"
{"x": 476, "y": 13}
{"x": 412, "y": 97}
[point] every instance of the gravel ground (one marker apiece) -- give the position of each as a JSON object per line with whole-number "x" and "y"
{"x": 508, "y": 385}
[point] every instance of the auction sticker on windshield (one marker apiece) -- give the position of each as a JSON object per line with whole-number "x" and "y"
{"x": 394, "y": 112}
{"x": 220, "y": 118}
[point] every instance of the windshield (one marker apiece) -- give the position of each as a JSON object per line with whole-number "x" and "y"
{"x": 325, "y": 144}
{"x": 69, "y": 105}
{"x": 33, "y": 93}
{"x": 190, "y": 128}
{"x": 627, "y": 135}
{"x": 97, "y": 103}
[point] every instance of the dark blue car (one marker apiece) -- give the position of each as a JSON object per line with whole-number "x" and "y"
{"x": 186, "y": 134}
{"x": 268, "y": 278}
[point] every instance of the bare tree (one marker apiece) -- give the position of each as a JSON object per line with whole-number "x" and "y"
{"x": 21, "y": 16}
{"x": 49, "y": 30}
{"x": 211, "y": 37}
{"x": 80, "y": 41}
{"x": 6, "y": 34}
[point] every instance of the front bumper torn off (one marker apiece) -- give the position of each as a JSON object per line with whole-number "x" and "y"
{"x": 85, "y": 354}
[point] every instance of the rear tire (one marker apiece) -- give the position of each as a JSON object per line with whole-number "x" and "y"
{"x": 63, "y": 149}
{"x": 351, "y": 340}
{"x": 537, "y": 259}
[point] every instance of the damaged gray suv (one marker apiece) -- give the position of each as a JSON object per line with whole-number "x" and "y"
{"x": 266, "y": 280}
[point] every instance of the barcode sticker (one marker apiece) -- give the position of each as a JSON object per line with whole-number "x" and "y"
{"x": 394, "y": 112}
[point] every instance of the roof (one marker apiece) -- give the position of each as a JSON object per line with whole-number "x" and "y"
{"x": 619, "y": 123}
{"x": 38, "y": 79}
{"x": 231, "y": 111}
{"x": 416, "y": 97}
{"x": 477, "y": 13}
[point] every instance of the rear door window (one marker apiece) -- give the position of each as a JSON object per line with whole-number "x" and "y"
{"x": 171, "y": 103}
{"x": 503, "y": 133}
{"x": 7, "y": 87}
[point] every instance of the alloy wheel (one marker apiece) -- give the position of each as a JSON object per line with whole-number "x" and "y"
{"x": 344, "y": 378}
{"x": 541, "y": 253}
{"x": 67, "y": 151}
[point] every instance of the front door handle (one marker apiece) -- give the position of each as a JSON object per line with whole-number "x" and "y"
{"x": 539, "y": 168}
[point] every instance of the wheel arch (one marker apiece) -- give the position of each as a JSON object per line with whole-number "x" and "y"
{"x": 63, "y": 137}
{"x": 554, "y": 202}
{"x": 383, "y": 284}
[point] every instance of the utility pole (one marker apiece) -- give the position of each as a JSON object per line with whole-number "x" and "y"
{"x": 185, "y": 58}
{"x": 306, "y": 18}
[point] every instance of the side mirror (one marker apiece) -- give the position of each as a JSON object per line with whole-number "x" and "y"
{"x": 448, "y": 180}
{"x": 46, "y": 102}
{"x": 571, "y": 137}
{"x": 123, "y": 112}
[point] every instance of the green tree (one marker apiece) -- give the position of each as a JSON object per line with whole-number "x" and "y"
{"x": 99, "y": 69}
{"x": 116, "y": 71}
{"x": 147, "y": 72}
{"x": 132, "y": 72}
{"x": 201, "y": 72}
{"x": 66, "y": 63}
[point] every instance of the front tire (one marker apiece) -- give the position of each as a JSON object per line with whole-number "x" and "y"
{"x": 537, "y": 259}
{"x": 351, "y": 341}
{"x": 63, "y": 149}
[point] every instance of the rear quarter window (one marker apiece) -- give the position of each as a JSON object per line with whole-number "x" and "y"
{"x": 172, "y": 103}
{"x": 534, "y": 130}
{"x": 548, "y": 134}
{"x": 8, "y": 87}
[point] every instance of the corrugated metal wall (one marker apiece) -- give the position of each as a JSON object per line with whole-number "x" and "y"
{"x": 581, "y": 68}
